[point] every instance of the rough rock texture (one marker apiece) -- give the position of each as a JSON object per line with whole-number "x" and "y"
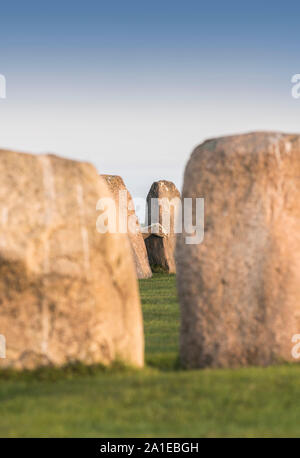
{"x": 67, "y": 292}
{"x": 161, "y": 248}
{"x": 239, "y": 290}
{"x": 116, "y": 184}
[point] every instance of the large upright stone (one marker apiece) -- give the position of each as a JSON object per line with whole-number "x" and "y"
{"x": 116, "y": 185}
{"x": 162, "y": 211}
{"x": 67, "y": 293}
{"x": 239, "y": 290}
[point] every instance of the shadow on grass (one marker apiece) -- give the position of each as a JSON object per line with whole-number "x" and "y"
{"x": 162, "y": 363}
{"x": 69, "y": 371}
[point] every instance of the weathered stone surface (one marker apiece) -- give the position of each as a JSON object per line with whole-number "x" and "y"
{"x": 161, "y": 246}
{"x": 67, "y": 292}
{"x": 116, "y": 184}
{"x": 240, "y": 289}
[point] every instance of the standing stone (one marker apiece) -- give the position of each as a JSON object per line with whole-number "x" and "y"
{"x": 67, "y": 293}
{"x": 116, "y": 184}
{"x": 161, "y": 245}
{"x": 239, "y": 290}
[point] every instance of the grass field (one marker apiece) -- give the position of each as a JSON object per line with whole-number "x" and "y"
{"x": 160, "y": 400}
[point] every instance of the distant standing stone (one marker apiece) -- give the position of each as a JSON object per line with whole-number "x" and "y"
{"x": 116, "y": 184}
{"x": 161, "y": 246}
{"x": 239, "y": 290}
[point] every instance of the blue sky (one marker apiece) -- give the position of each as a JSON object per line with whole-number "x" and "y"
{"x": 133, "y": 86}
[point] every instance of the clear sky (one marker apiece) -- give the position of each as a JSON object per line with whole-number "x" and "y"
{"x": 133, "y": 86}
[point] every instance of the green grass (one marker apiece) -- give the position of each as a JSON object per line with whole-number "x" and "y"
{"x": 160, "y": 400}
{"x": 161, "y": 321}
